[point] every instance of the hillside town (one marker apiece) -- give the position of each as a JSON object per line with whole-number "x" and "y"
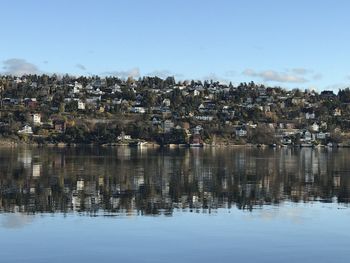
{"x": 43, "y": 109}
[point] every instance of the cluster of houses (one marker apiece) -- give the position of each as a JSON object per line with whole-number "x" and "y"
{"x": 293, "y": 116}
{"x": 286, "y": 133}
{"x": 55, "y": 124}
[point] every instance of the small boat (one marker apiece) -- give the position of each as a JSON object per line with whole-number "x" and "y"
{"x": 196, "y": 144}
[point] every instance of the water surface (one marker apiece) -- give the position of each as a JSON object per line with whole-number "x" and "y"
{"x": 182, "y": 205}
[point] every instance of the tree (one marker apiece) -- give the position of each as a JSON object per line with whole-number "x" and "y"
{"x": 336, "y": 136}
{"x": 71, "y": 106}
{"x": 344, "y": 95}
{"x": 263, "y": 135}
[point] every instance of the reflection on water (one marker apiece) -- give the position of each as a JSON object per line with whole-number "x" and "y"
{"x": 129, "y": 181}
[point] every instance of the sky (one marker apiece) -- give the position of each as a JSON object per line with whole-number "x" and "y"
{"x": 289, "y": 43}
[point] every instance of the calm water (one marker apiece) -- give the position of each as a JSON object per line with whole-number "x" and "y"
{"x": 184, "y": 205}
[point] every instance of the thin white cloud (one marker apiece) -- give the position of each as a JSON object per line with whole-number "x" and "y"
{"x": 80, "y": 66}
{"x": 317, "y": 76}
{"x": 249, "y": 72}
{"x": 258, "y": 48}
{"x": 312, "y": 88}
{"x": 164, "y": 74}
{"x": 275, "y": 76}
{"x": 134, "y": 73}
{"x": 301, "y": 71}
{"x": 19, "y": 67}
{"x": 215, "y": 77}
{"x": 230, "y": 73}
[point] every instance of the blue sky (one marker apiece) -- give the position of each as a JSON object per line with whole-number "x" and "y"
{"x": 290, "y": 43}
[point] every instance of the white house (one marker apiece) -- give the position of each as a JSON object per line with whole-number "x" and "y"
{"x": 298, "y": 101}
{"x": 116, "y": 89}
{"x": 201, "y": 107}
{"x": 310, "y": 116}
{"x": 267, "y": 108}
{"x": 196, "y": 93}
{"x": 124, "y": 137}
{"x": 315, "y": 127}
{"x": 138, "y": 110}
{"x": 97, "y": 92}
{"x": 77, "y": 87}
{"x": 166, "y": 102}
{"x": 36, "y": 117}
{"x": 36, "y": 170}
{"x": 241, "y": 132}
{"x": 81, "y": 105}
{"x": 337, "y": 112}
{"x": 286, "y": 140}
{"x": 321, "y": 135}
{"x": 80, "y": 185}
{"x": 204, "y": 118}
{"x": 93, "y": 100}
{"x": 282, "y": 105}
{"x": 89, "y": 87}
{"x": 155, "y": 121}
{"x": 198, "y": 129}
{"x": 26, "y": 130}
{"x": 307, "y": 136}
{"x": 167, "y": 126}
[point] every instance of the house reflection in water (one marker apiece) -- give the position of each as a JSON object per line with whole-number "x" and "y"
{"x": 153, "y": 181}
{"x": 36, "y": 170}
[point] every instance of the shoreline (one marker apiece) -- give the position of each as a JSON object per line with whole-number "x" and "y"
{"x": 10, "y": 143}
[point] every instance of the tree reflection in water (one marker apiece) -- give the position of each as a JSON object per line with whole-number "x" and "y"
{"x": 146, "y": 181}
